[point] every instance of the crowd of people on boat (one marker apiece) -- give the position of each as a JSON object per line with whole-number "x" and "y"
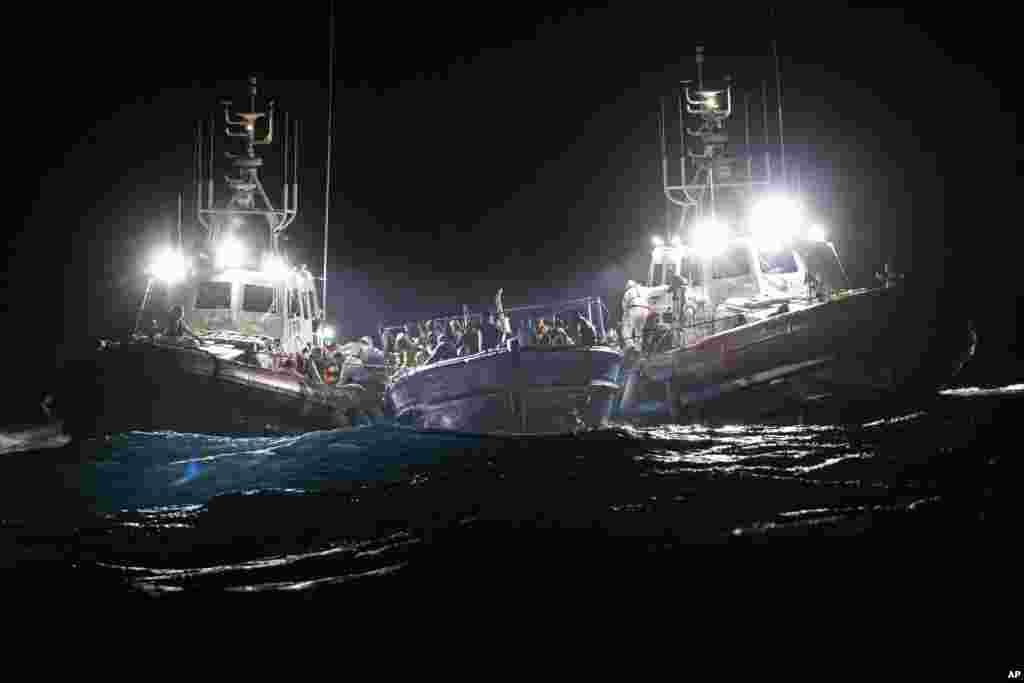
{"x": 414, "y": 344}
{"x": 430, "y": 341}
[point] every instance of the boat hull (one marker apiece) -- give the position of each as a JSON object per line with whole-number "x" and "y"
{"x": 533, "y": 390}
{"x": 146, "y": 386}
{"x": 851, "y": 358}
{"x": 32, "y": 437}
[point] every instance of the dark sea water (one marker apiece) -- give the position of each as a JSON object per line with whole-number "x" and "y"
{"x": 378, "y": 509}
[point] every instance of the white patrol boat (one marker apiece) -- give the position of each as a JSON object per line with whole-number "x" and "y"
{"x": 747, "y": 313}
{"x": 229, "y": 336}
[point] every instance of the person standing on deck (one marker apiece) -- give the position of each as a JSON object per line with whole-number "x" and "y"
{"x": 586, "y": 335}
{"x": 542, "y": 331}
{"x": 504, "y": 323}
{"x": 445, "y": 349}
{"x": 406, "y": 345}
{"x": 558, "y": 335}
{"x": 491, "y": 332}
{"x": 471, "y": 340}
{"x": 635, "y": 314}
{"x": 455, "y": 332}
{"x": 177, "y": 327}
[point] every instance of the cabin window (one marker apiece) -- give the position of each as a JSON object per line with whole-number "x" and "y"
{"x": 733, "y": 263}
{"x": 294, "y": 307}
{"x": 257, "y": 298}
{"x": 779, "y": 262}
{"x": 214, "y": 295}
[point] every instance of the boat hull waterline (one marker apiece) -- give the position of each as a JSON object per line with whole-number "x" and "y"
{"x": 528, "y": 390}
{"x": 861, "y": 354}
{"x": 145, "y": 385}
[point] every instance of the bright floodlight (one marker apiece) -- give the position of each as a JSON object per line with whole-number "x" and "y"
{"x": 710, "y": 98}
{"x": 657, "y": 241}
{"x": 710, "y": 237}
{"x": 231, "y": 253}
{"x": 816, "y": 233}
{"x": 275, "y": 267}
{"x": 169, "y": 266}
{"x": 775, "y": 220}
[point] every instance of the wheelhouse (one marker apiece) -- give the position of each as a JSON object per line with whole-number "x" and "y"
{"x": 743, "y": 268}
{"x": 255, "y": 303}
{"x": 740, "y": 278}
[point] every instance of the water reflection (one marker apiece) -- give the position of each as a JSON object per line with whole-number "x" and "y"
{"x": 324, "y": 510}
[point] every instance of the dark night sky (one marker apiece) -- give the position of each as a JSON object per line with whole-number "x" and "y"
{"x": 484, "y": 150}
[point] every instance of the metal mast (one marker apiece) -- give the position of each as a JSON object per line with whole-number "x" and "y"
{"x": 708, "y": 170}
{"x": 778, "y": 89}
{"x": 330, "y": 144}
{"x": 247, "y": 194}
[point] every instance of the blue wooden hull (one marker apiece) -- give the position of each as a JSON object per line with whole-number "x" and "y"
{"x": 533, "y": 390}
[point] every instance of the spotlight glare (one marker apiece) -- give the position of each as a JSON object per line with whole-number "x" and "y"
{"x": 710, "y": 237}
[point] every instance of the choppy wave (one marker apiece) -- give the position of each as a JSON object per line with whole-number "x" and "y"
{"x": 169, "y": 513}
{"x": 146, "y": 469}
{"x": 1007, "y": 390}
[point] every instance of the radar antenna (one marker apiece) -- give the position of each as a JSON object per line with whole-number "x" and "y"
{"x": 247, "y": 196}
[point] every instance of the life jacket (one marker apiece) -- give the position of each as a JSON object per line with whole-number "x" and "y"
{"x": 331, "y": 374}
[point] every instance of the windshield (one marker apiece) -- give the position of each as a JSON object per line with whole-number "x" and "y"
{"x": 214, "y": 295}
{"x": 257, "y": 298}
{"x": 821, "y": 262}
{"x": 733, "y": 263}
{"x": 778, "y": 262}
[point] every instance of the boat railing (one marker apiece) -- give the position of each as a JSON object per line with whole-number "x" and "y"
{"x": 716, "y": 325}
{"x": 593, "y": 308}
{"x": 665, "y": 337}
